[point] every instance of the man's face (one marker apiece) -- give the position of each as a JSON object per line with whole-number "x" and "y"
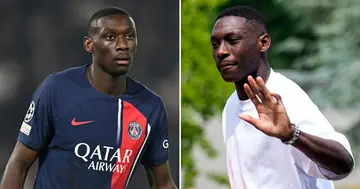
{"x": 236, "y": 48}
{"x": 113, "y": 43}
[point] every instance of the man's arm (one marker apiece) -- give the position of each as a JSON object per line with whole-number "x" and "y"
{"x": 35, "y": 132}
{"x": 16, "y": 169}
{"x": 159, "y": 177}
{"x": 274, "y": 121}
{"x": 327, "y": 153}
{"x": 155, "y": 160}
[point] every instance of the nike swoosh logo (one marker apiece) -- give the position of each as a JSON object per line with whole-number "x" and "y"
{"x": 76, "y": 123}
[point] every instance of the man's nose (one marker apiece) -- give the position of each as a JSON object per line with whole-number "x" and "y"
{"x": 223, "y": 51}
{"x": 121, "y": 44}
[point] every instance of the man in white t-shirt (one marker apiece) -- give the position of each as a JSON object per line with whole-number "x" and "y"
{"x": 275, "y": 136}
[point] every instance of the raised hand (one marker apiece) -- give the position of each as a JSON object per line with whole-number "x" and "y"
{"x": 273, "y": 120}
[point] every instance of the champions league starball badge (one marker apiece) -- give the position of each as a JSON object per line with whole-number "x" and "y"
{"x": 30, "y": 113}
{"x": 134, "y": 130}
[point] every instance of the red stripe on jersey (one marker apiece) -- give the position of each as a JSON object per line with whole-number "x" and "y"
{"x": 134, "y": 134}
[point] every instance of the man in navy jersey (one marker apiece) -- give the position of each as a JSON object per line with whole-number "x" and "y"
{"x": 92, "y": 125}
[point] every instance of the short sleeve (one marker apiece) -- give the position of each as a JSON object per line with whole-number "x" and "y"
{"x": 157, "y": 151}
{"x": 36, "y": 127}
{"x": 305, "y": 114}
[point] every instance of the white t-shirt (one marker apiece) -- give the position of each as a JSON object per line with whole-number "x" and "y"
{"x": 258, "y": 161}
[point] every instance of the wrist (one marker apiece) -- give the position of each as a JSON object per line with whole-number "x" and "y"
{"x": 288, "y": 134}
{"x": 293, "y": 136}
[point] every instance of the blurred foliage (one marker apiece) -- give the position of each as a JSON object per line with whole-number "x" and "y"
{"x": 334, "y": 62}
{"x": 219, "y": 178}
{"x": 200, "y": 89}
{"x": 315, "y": 42}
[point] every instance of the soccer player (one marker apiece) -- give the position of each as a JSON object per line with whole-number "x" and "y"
{"x": 92, "y": 125}
{"x": 275, "y": 136}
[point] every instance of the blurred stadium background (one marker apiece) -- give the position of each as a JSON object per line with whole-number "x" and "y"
{"x": 42, "y": 37}
{"x": 315, "y": 43}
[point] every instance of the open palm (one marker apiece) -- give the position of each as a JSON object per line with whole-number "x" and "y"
{"x": 273, "y": 120}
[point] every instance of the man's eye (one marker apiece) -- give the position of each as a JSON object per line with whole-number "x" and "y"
{"x": 130, "y": 37}
{"x": 109, "y": 37}
{"x": 214, "y": 44}
{"x": 233, "y": 40}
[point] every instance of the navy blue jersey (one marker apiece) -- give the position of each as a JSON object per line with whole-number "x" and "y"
{"x": 87, "y": 139}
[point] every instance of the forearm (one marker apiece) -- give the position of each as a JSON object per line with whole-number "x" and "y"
{"x": 328, "y": 154}
{"x": 150, "y": 178}
{"x": 13, "y": 178}
{"x": 168, "y": 185}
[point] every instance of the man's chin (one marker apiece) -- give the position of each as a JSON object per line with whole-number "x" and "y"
{"x": 231, "y": 78}
{"x": 119, "y": 72}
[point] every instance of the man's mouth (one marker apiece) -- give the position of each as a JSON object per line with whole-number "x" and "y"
{"x": 226, "y": 65}
{"x": 122, "y": 60}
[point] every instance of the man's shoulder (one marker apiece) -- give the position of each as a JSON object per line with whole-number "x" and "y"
{"x": 143, "y": 92}
{"x": 293, "y": 96}
{"x": 231, "y": 103}
{"x": 70, "y": 73}
{"x": 282, "y": 85}
{"x": 66, "y": 74}
{"x": 57, "y": 81}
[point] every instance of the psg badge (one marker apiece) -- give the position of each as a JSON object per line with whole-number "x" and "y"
{"x": 134, "y": 130}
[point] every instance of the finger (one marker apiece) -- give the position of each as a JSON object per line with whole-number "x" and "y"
{"x": 251, "y": 95}
{"x": 255, "y": 87}
{"x": 264, "y": 90}
{"x": 249, "y": 119}
{"x": 277, "y": 97}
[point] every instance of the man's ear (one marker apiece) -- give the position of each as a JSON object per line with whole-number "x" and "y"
{"x": 88, "y": 44}
{"x": 264, "y": 42}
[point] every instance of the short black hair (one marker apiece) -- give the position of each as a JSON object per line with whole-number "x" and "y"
{"x": 107, "y": 11}
{"x": 251, "y": 15}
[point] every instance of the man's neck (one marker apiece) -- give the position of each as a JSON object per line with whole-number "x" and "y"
{"x": 104, "y": 82}
{"x": 263, "y": 71}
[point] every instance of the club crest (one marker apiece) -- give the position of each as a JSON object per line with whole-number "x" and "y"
{"x": 134, "y": 130}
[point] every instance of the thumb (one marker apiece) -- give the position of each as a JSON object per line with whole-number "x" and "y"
{"x": 248, "y": 119}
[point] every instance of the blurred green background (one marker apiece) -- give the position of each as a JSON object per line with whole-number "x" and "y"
{"x": 314, "y": 43}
